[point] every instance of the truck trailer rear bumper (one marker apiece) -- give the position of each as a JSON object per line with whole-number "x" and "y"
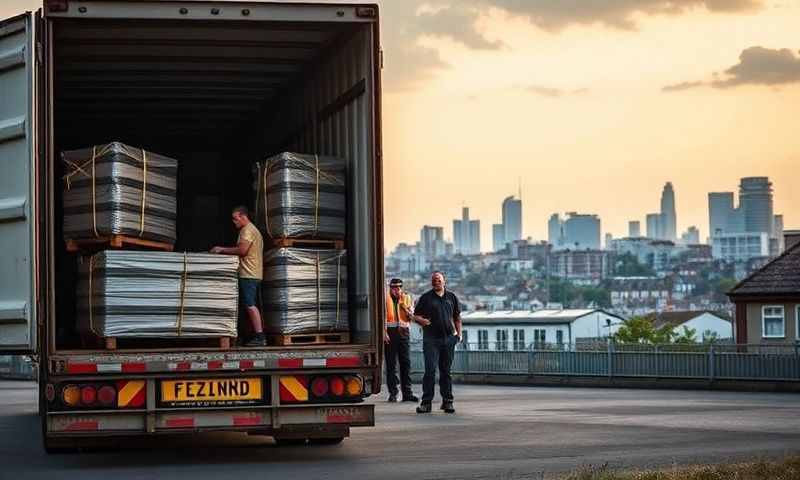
{"x": 263, "y": 419}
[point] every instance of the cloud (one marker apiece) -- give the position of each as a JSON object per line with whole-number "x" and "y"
{"x": 456, "y": 23}
{"x": 552, "y": 92}
{"x": 757, "y": 66}
{"x": 682, "y": 86}
{"x": 762, "y": 66}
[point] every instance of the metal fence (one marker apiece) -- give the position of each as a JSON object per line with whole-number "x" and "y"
{"x": 679, "y": 361}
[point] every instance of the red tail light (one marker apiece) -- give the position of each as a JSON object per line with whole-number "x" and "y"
{"x": 337, "y": 386}
{"x": 56, "y": 5}
{"x": 106, "y": 395}
{"x": 319, "y": 387}
{"x": 88, "y": 395}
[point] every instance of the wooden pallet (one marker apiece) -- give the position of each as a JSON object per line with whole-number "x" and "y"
{"x": 117, "y": 343}
{"x": 310, "y": 339}
{"x": 307, "y": 243}
{"x": 116, "y": 242}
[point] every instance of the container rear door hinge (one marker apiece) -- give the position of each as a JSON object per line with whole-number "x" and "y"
{"x": 39, "y": 55}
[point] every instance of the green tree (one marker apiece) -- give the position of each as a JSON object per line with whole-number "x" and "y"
{"x": 642, "y": 330}
{"x": 686, "y": 336}
{"x": 627, "y": 265}
{"x": 709, "y": 337}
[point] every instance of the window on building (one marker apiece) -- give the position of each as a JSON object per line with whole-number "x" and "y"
{"x": 772, "y": 321}
{"x": 519, "y": 339}
{"x": 560, "y": 337}
{"x": 502, "y": 339}
{"x": 540, "y": 337}
{"x": 483, "y": 339}
{"x": 465, "y": 339}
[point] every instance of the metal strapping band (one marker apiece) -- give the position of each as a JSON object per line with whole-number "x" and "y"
{"x": 179, "y": 323}
{"x": 319, "y": 313}
{"x": 144, "y": 191}
{"x": 338, "y": 281}
{"x": 91, "y": 292}
{"x": 94, "y": 198}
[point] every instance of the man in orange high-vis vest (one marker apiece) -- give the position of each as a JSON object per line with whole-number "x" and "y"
{"x": 396, "y": 335}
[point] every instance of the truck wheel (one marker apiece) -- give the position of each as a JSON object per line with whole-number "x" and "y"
{"x": 326, "y": 441}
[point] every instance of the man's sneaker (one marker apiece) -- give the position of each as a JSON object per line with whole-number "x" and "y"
{"x": 259, "y": 340}
{"x": 410, "y": 398}
{"x": 448, "y": 407}
{"x": 392, "y": 398}
{"x": 424, "y": 408}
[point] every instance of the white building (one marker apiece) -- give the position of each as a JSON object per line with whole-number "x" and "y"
{"x": 740, "y": 247}
{"x": 704, "y": 323}
{"x": 517, "y": 330}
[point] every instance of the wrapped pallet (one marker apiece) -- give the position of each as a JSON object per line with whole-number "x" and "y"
{"x": 305, "y": 291}
{"x": 115, "y": 189}
{"x": 301, "y": 196}
{"x": 140, "y": 294}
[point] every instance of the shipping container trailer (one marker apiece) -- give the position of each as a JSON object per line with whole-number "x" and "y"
{"x": 218, "y": 86}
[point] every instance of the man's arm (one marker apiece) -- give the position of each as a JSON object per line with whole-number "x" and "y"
{"x": 240, "y": 250}
{"x": 457, "y": 318}
{"x": 420, "y": 310}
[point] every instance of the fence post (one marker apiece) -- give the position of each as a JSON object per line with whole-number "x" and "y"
{"x": 711, "y": 362}
{"x": 658, "y": 361}
{"x": 610, "y": 362}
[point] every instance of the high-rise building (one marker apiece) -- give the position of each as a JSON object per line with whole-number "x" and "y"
{"x": 498, "y": 237}
{"x": 669, "y": 222}
{"x": 691, "y": 236}
{"x": 581, "y": 231}
{"x": 634, "y": 229}
{"x": 512, "y": 219}
{"x": 608, "y": 239}
{"x": 653, "y": 221}
{"x": 467, "y": 234}
{"x": 755, "y": 203}
{"x": 431, "y": 241}
{"x": 778, "y": 232}
{"x": 720, "y": 212}
{"x": 555, "y": 230}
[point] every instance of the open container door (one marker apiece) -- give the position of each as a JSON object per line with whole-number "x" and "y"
{"x": 18, "y": 240}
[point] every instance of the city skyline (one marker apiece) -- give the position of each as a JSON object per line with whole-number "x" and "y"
{"x": 592, "y": 108}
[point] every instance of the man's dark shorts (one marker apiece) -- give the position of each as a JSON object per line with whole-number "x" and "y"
{"x": 248, "y": 291}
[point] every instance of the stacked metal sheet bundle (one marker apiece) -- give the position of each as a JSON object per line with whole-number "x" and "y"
{"x": 158, "y": 294}
{"x": 305, "y": 291}
{"x": 115, "y": 189}
{"x": 301, "y": 196}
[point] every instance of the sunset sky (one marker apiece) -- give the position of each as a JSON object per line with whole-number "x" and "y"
{"x": 593, "y": 105}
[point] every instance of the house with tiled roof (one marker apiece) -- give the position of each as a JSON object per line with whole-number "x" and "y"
{"x": 768, "y": 301}
{"x": 704, "y": 323}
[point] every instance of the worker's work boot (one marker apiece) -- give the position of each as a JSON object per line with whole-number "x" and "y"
{"x": 410, "y": 398}
{"x": 392, "y": 398}
{"x": 259, "y": 340}
{"x": 447, "y": 406}
{"x": 424, "y": 408}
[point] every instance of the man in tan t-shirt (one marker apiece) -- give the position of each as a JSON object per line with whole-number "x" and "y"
{"x": 250, "y": 249}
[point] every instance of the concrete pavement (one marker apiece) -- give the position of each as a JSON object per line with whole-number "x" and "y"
{"x": 498, "y": 432}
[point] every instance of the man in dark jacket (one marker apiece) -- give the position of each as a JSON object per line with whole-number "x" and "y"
{"x": 439, "y": 313}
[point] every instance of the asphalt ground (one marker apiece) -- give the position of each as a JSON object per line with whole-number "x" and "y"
{"x": 497, "y": 432}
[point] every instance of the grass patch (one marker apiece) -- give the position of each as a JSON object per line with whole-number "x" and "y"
{"x": 785, "y": 469}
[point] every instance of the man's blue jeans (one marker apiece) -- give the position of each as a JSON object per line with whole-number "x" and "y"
{"x": 439, "y": 353}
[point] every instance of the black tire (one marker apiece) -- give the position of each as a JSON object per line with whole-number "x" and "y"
{"x": 54, "y": 448}
{"x": 326, "y": 441}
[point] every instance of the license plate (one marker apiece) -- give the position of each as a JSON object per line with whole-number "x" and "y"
{"x": 211, "y": 392}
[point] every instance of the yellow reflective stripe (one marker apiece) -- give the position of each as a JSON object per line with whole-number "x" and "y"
{"x": 128, "y": 392}
{"x": 298, "y": 391}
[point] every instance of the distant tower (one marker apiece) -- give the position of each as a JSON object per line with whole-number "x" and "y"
{"x": 512, "y": 219}
{"x": 755, "y": 203}
{"x": 668, "y": 216}
{"x": 720, "y": 213}
{"x": 634, "y": 229}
